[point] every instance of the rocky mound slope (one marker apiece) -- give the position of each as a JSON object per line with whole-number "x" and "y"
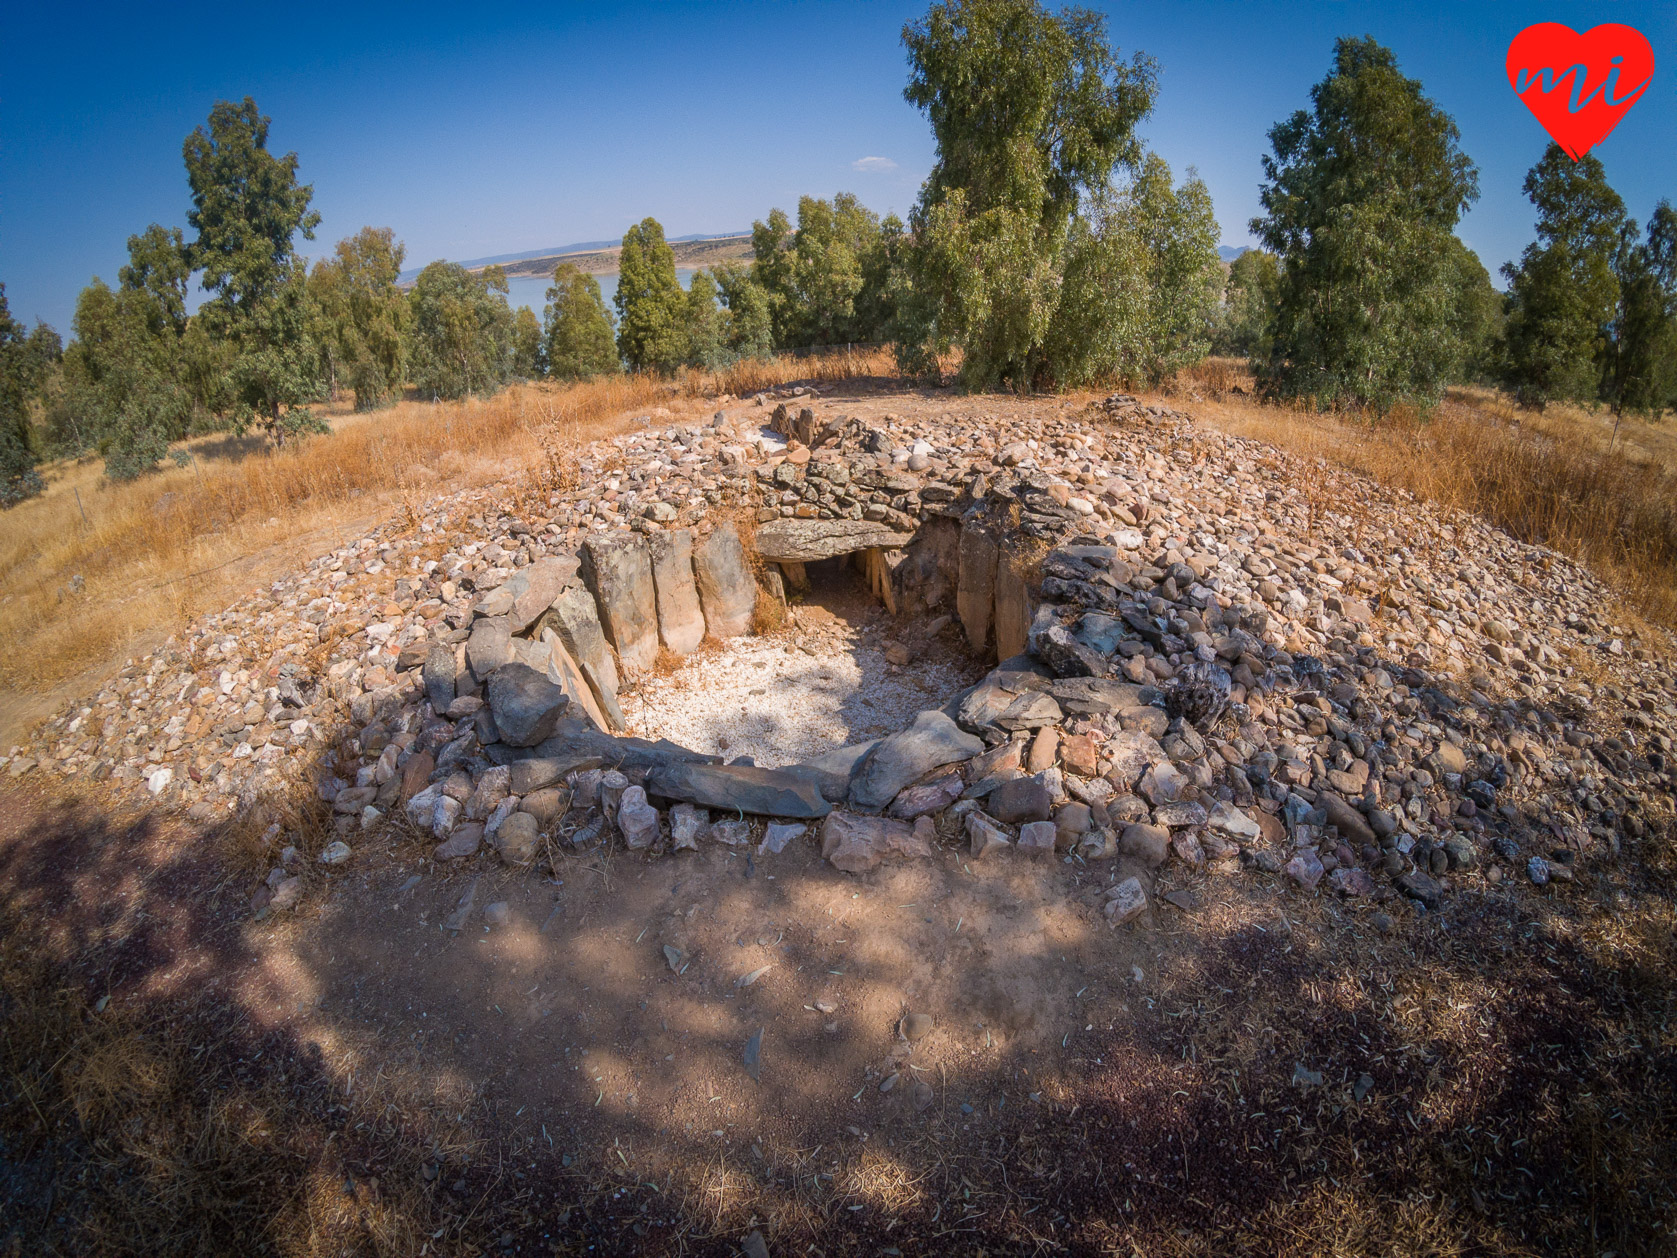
{"x": 1208, "y": 652}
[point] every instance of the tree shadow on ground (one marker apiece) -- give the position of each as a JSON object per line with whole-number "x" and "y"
{"x": 1265, "y": 1074}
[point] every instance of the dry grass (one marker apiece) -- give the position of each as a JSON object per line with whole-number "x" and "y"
{"x": 152, "y": 553}
{"x": 1560, "y": 479}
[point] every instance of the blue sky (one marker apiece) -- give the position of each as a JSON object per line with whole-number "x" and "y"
{"x": 494, "y": 128}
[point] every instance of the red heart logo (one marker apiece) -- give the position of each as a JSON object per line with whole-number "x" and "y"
{"x": 1579, "y": 86}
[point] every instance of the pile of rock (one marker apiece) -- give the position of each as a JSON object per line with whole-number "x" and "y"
{"x": 1209, "y": 654}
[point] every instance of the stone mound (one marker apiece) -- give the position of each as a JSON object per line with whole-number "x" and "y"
{"x": 1204, "y": 652}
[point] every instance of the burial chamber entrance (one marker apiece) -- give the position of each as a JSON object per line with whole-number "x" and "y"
{"x": 844, "y": 658}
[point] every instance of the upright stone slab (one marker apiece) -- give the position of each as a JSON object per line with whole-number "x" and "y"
{"x": 975, "y": 598}
{"x": 681, "y": 623}
{"x": 543, "y": 581}
{"x": 564, "y": 671}
{"x": 1013, "y": 609}
{"x": 576, "y": 620}
{"x": 727, "y": 591}
{"x": 619, "y": 575}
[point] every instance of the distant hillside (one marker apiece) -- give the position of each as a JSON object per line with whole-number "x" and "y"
{"x": 689, "y": 253}
{"x": 1230, "y": 252}
{"x": 599, "y": 257}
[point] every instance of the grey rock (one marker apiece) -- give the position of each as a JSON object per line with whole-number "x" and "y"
{"x": 832, "y": 773}
{"x": 984, "y": 836}
{"x": 681, "y": 622}
{"x": 518, "y": 838}
{"x": 975, "y": 596}
{"x": 637, "y": 820}
{"x": 777, "y": 835}
{"x": 1305, "y": 868}
{"x": 1067, "y": 655}
{"x": 526, "y": 705}
{"x": 932, "y": 741}
{"x": 739, "y": 788}
{"x": 687, "y": 826}
{"x": 619, "y": 575}
{"x": 806, "y": 541}
{"x": 1147, "y": 843}
{"x": 438, "y": 676}
{"x": 541, "y": 583}
{"x": 1038, "y": 838}
{"x": 856, "y": 844}
{"x": 538, "y": 771}
{"x": 1021, "y": 800}
{"x": 575, "y": 618}
{"x": 1127, "y": 901}
{"x": 1093, "y": 696}
{"x": 1350, "y": 823}
{"x": 489, "y": 647}
{"x": 727, "y": 590}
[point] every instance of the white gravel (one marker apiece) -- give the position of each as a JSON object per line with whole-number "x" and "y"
{"x": 819, "y": 685}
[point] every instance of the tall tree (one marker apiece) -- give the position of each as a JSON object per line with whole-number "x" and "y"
{"x": 364, "y": 311}
{"x": 1564, "y": 293}
{"x": 1141, "y": 277}
{"x": 248, "y": 209}
{"x": 1031, "y": 112}
{"x": 526, "y": 344}
{"x": 706, "y": 325}
{"x": 1643, "y": 373}
{"x": 652, "y": 313}
{"x": 1361, "y": 197}
{"x": 18, "y": 456}
{"x": 461, "y": 331}
{"x": 825, "y": 280}
{"x": 579, "y": 342}
{"x": 127, "y": 382}
{"x": 750, "y": 323}
{"x": 1250, "y": 295}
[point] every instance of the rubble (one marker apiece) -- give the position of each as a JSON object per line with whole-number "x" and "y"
{"x": 1208, "y": 656}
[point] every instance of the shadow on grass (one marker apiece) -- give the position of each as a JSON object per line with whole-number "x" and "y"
{"x": 1274, "y": 1076}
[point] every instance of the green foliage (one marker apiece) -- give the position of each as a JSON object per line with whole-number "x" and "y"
{"x": 1139, "y": 295}
{"x": 1250, "y": 295}
{"x": 248, "y": 208}
{"x": 652, "y": 310}
{"x": 1564, "y": 293}
{"x": 461, "y": 339}
{"x": 19, "y": 376}
{"x": 579, "y": 342}
{"x": 127, "y": 390}
{"x": 827, "y": 281}
{"x": 1361, "y": 198}
{"x": 526, "y": 344}
{"x": 1031, "y": 112}
{"x": 707, "y": 330}
{"x": 1643, "y": 375}
{"x": 1476, "y": 315}
{"x": 750, "y": 320}
{"x": 363, "y": 315}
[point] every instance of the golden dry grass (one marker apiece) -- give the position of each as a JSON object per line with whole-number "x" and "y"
{"x": 153, "y": 553}
{"x": 1560, "y": 479}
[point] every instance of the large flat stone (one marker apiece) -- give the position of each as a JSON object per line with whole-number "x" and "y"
{"x": 489, "y": 647}
{"x": 567, "y": 674}
{"x": 975, "y": 598}
{"x": 833, "y": 772}
{"x": 618, "y": 571}
{"x": 1090, "y": 696}
{"x": 681, "y": 623}
{"x": 805, "y": 541}
{"x": 1014, "y": 607}
{"x": 727, "y": 590}
{"x": 576, "y": 619}
{"x": 931, "y": 742}
{"x": 739, "y": 788}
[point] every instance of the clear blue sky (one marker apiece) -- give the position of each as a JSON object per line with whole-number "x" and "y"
{"x": 476, "y": 129}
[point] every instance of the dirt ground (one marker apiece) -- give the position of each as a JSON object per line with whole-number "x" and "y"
{"x": 1259, "y": 1073}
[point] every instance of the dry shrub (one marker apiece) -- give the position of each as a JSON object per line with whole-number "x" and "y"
{"x": 1210, "y": 378}
{"x": 152, "y": 553}
{"x": 1560, "y": 479}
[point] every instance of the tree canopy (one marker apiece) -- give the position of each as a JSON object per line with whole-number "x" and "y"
{"x": 1361, "y": 196}
{"x": 461, "y": 338}
{"x": 651, "y": 307}
{"x": 248, "y": 209}
{"x": 364, "y": 313}
{"x": 578, "y": 336}
{"x": 1031, "y": 112}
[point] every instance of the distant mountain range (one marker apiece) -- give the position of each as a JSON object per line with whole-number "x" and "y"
{"x": 581, "y": 246}
{"x": 1228, "y": 253}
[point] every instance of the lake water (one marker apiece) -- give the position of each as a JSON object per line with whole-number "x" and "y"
{"x": 531, "y": 290}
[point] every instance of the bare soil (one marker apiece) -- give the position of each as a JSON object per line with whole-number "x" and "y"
{"x": 559, "y": 1083}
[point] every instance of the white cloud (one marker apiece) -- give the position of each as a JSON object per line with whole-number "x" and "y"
{"x": 873, "y": 164}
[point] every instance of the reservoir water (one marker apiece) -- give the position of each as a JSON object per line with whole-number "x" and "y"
{"x": 531, "y": 290}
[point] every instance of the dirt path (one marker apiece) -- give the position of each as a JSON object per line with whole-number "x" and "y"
{"x": 1258, "y": 1073}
